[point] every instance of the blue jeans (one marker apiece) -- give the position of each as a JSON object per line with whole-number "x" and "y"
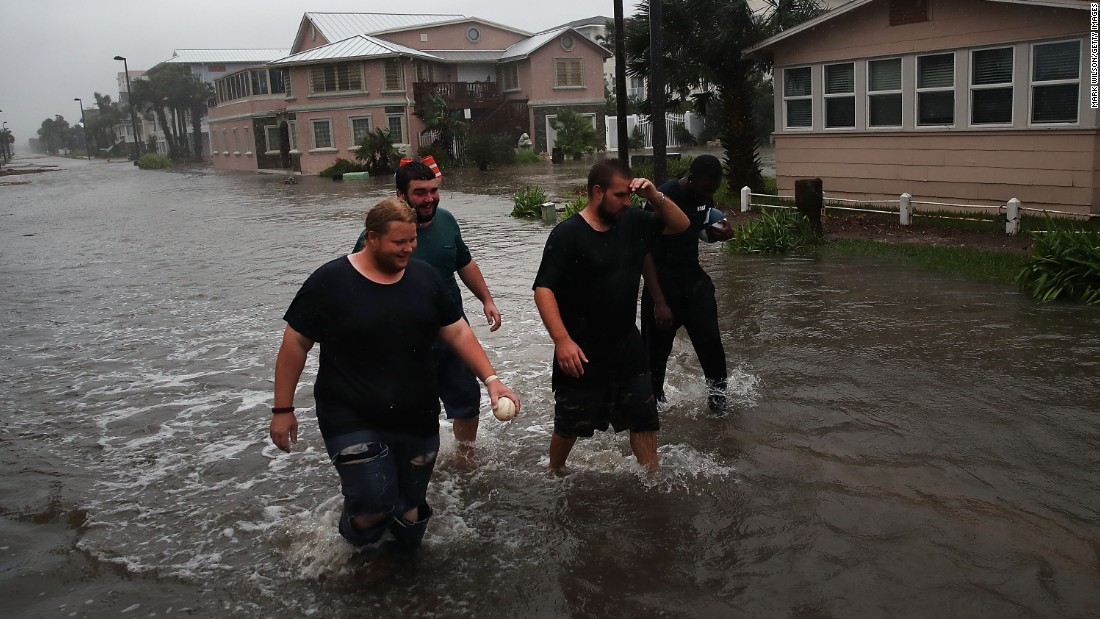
{"x": 384, "y": 473}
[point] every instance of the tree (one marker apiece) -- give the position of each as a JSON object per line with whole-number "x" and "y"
{"x": 377, "y": 152}
{"x": 6, "y": 140}
{"x": 53, "y": 133}
{"x": 576, "y": 135}
{"x": 700, "y": 56}
{"x": 172, "y": 88}
{"x": 437, "y": 116}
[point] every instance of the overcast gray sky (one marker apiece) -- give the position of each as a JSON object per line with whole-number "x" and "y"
{"x": 55, "y": 50}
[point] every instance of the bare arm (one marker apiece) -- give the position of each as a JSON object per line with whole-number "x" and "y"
{"x": 471, "y": 276}
{"x": 662, "y": 315}
{"x": 674, "y": 219}
{"x": 568, "y": 355}
{"x": 460, "y": 337}
{"x": 288, "y": 369}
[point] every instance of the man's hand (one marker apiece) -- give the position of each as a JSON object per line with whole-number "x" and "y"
{"x": 497, "y": 390}
{"x": 492, "y": 316}
{"x": 284, "y": 430}
{"x": 570, "y": 357}
{"x": 646, "y": 189}
{"x": 719, "y": 231}
{"x": 662, "y": 314}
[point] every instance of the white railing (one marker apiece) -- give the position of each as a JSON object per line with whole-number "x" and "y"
{"x": 905, "y": 208}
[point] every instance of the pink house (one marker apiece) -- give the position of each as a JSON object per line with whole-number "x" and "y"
{"x": 350, "y": 73}
{"x": 972, "y": 101}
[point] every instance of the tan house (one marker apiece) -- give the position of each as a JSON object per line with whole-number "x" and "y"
{"x": 968, "y": 101}
{"x": 350, "y": 73}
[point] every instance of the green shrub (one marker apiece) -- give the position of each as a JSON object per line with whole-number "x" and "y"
{"x": 443, "y": 157}
{"x": 487, "y": 150}
{"x": 153, "y": 161}
{"x": 342, "y": 166}
{"x": 377, "y": 152}
{"x": 528, "y": 202}
{"x": 683, "y": 136}
{"x": 527, "y": 156}
{"x": 773, "y": 232}
{"x": 576, "y": 205}
{"x": 637, "y": 138}
{"x": 1064, "y": 263}
{"x": 674, "y": 168}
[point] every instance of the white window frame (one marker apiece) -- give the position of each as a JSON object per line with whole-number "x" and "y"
{"x": 386, "y": 68}
{"x": 225, "y": 142}
{"x": 248, "y": 142}
{"x": 809, "y": 97}
{"x": 580, "y": 73}
{"x": 510, "y": 70}
{"x": 272, "y": 145}
{"x": 292, "y": 133}
{"x": 389, "y": 128}
{"x": 882, "y": 93}
{"x": 1032, "y": 84}
{"x": 354, "y": 143}
{"x": 971, "y": 87}
{"x": 918, "y": 90}
{"x": 313, "y": 124}
{"x": 844, "y": 95}
{"x": 236, "y": 142}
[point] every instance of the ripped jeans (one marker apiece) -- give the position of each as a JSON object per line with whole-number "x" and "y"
{"x": 384, "y": 473}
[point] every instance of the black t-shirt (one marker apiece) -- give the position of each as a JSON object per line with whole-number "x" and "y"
{"x": 376, "y": 370}
{"x": 594, "y": 277}
{"x": 681, "y": 251}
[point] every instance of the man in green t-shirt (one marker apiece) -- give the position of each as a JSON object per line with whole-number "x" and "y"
{"x": 439, "y": 243}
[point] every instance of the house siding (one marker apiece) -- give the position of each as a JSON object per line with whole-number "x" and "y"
{"x": 1051, "y": 166}
{"x": 453, "y": 36}
{"x": 1054, "y": 171}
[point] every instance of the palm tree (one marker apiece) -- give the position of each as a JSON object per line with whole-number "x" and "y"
{"x": 700, "y": 56}
{"x": 437, "y": 116}
{"x": 6, "y": 140}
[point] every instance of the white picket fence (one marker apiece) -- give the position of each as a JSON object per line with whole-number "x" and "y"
{"x": 906, "y": 209}
{"x": 692, "y": 122}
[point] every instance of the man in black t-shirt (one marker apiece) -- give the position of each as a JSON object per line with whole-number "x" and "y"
{"x": 586, "y": 291}
{"x": 678, "y": 292}
{"x": 376, "y": 313}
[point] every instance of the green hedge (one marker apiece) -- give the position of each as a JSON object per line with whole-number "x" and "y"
{"x": 153, "y": 161}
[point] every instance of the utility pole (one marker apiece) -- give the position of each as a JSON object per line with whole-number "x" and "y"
{"x": 657, "y": 90}
{"x": 133, "y": 116}
{"x": 87, "y": 147}
{"x": 620, "y": 83}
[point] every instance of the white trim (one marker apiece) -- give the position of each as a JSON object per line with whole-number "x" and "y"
{"x": 784, "y": 98}
{"x": 825, "y": 96}
{"x": 883, "y": 93}
{"x": 1081, "y": 54}
{"x": 353, "y": 144}
{"x": 313, "y": 134}
{"x": 1011, "y": 85}
{"x": 917, "y": 90}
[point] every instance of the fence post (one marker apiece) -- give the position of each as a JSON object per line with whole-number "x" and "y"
{"x": 1012, "y": 224}
{"x": 746, "y": 199}
{"x": 549, "y": 213}
{"x": 906, "y": 209}
{"x": 809, "y": 199}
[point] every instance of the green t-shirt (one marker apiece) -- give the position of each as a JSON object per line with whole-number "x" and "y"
{"x": 440, "y": 245}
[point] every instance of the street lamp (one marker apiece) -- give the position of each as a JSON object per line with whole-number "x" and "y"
{"x": 87, "y": 147}
{"x": 133, "y": 116}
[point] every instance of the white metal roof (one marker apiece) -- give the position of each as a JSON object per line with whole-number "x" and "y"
{"x": 525, "y": 48}
{"x": 359, "y": 46}
{"x": 340, "y": 26}
{"x": 203, "y": 56}
{"x": 467, "y": 55}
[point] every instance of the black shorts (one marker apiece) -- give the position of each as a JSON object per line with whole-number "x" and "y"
{"x": 625, "y": 404}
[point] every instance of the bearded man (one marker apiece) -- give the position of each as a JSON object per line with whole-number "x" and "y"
{"x": 586, "y": 291}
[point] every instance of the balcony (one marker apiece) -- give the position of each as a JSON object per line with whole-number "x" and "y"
{"x": 460, "y": 95}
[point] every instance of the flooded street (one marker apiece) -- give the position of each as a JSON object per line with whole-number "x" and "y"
{"x": 903, "y": 444}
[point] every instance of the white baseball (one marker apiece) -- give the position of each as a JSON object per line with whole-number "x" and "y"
{"x": 505, "y": 410}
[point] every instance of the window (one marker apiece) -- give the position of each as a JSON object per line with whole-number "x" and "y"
{"x": 322, "y": 133}
{"x": 215, "y": 68}
{"x": 279, "y": 82}
{"x": 360, "y": 127}
{"x": 236, "y": 142}
{"x": 336, "y": 78}
{"x": 225, "y": 141}
{"x": 568, "y": 73}
{"x": 797, "y": 103}
{"x": 1055, "y": 82}
{"x": 395, "y": 124}
{"x": 884, "y": 93}
{"x": 248, "y": 140}
{"x": 510, "y": 76}
{"x": 271, "y": 134}
{"x": 393, "y": 75}
{"x": 567, "y": 42}
{"x": 840, "y": 95}
{"x": 473, "y": 35}
{"x": 259, "y": 82}
{"x": 936, "y": 90}
{"x": 292, "y": 134}
{"x": 213, "y": 142}
{"x": 425, "y": 71}
{"x": 991, "y": 87}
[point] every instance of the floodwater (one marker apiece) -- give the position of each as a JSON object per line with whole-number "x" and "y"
{"x": 902, "y": 444}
